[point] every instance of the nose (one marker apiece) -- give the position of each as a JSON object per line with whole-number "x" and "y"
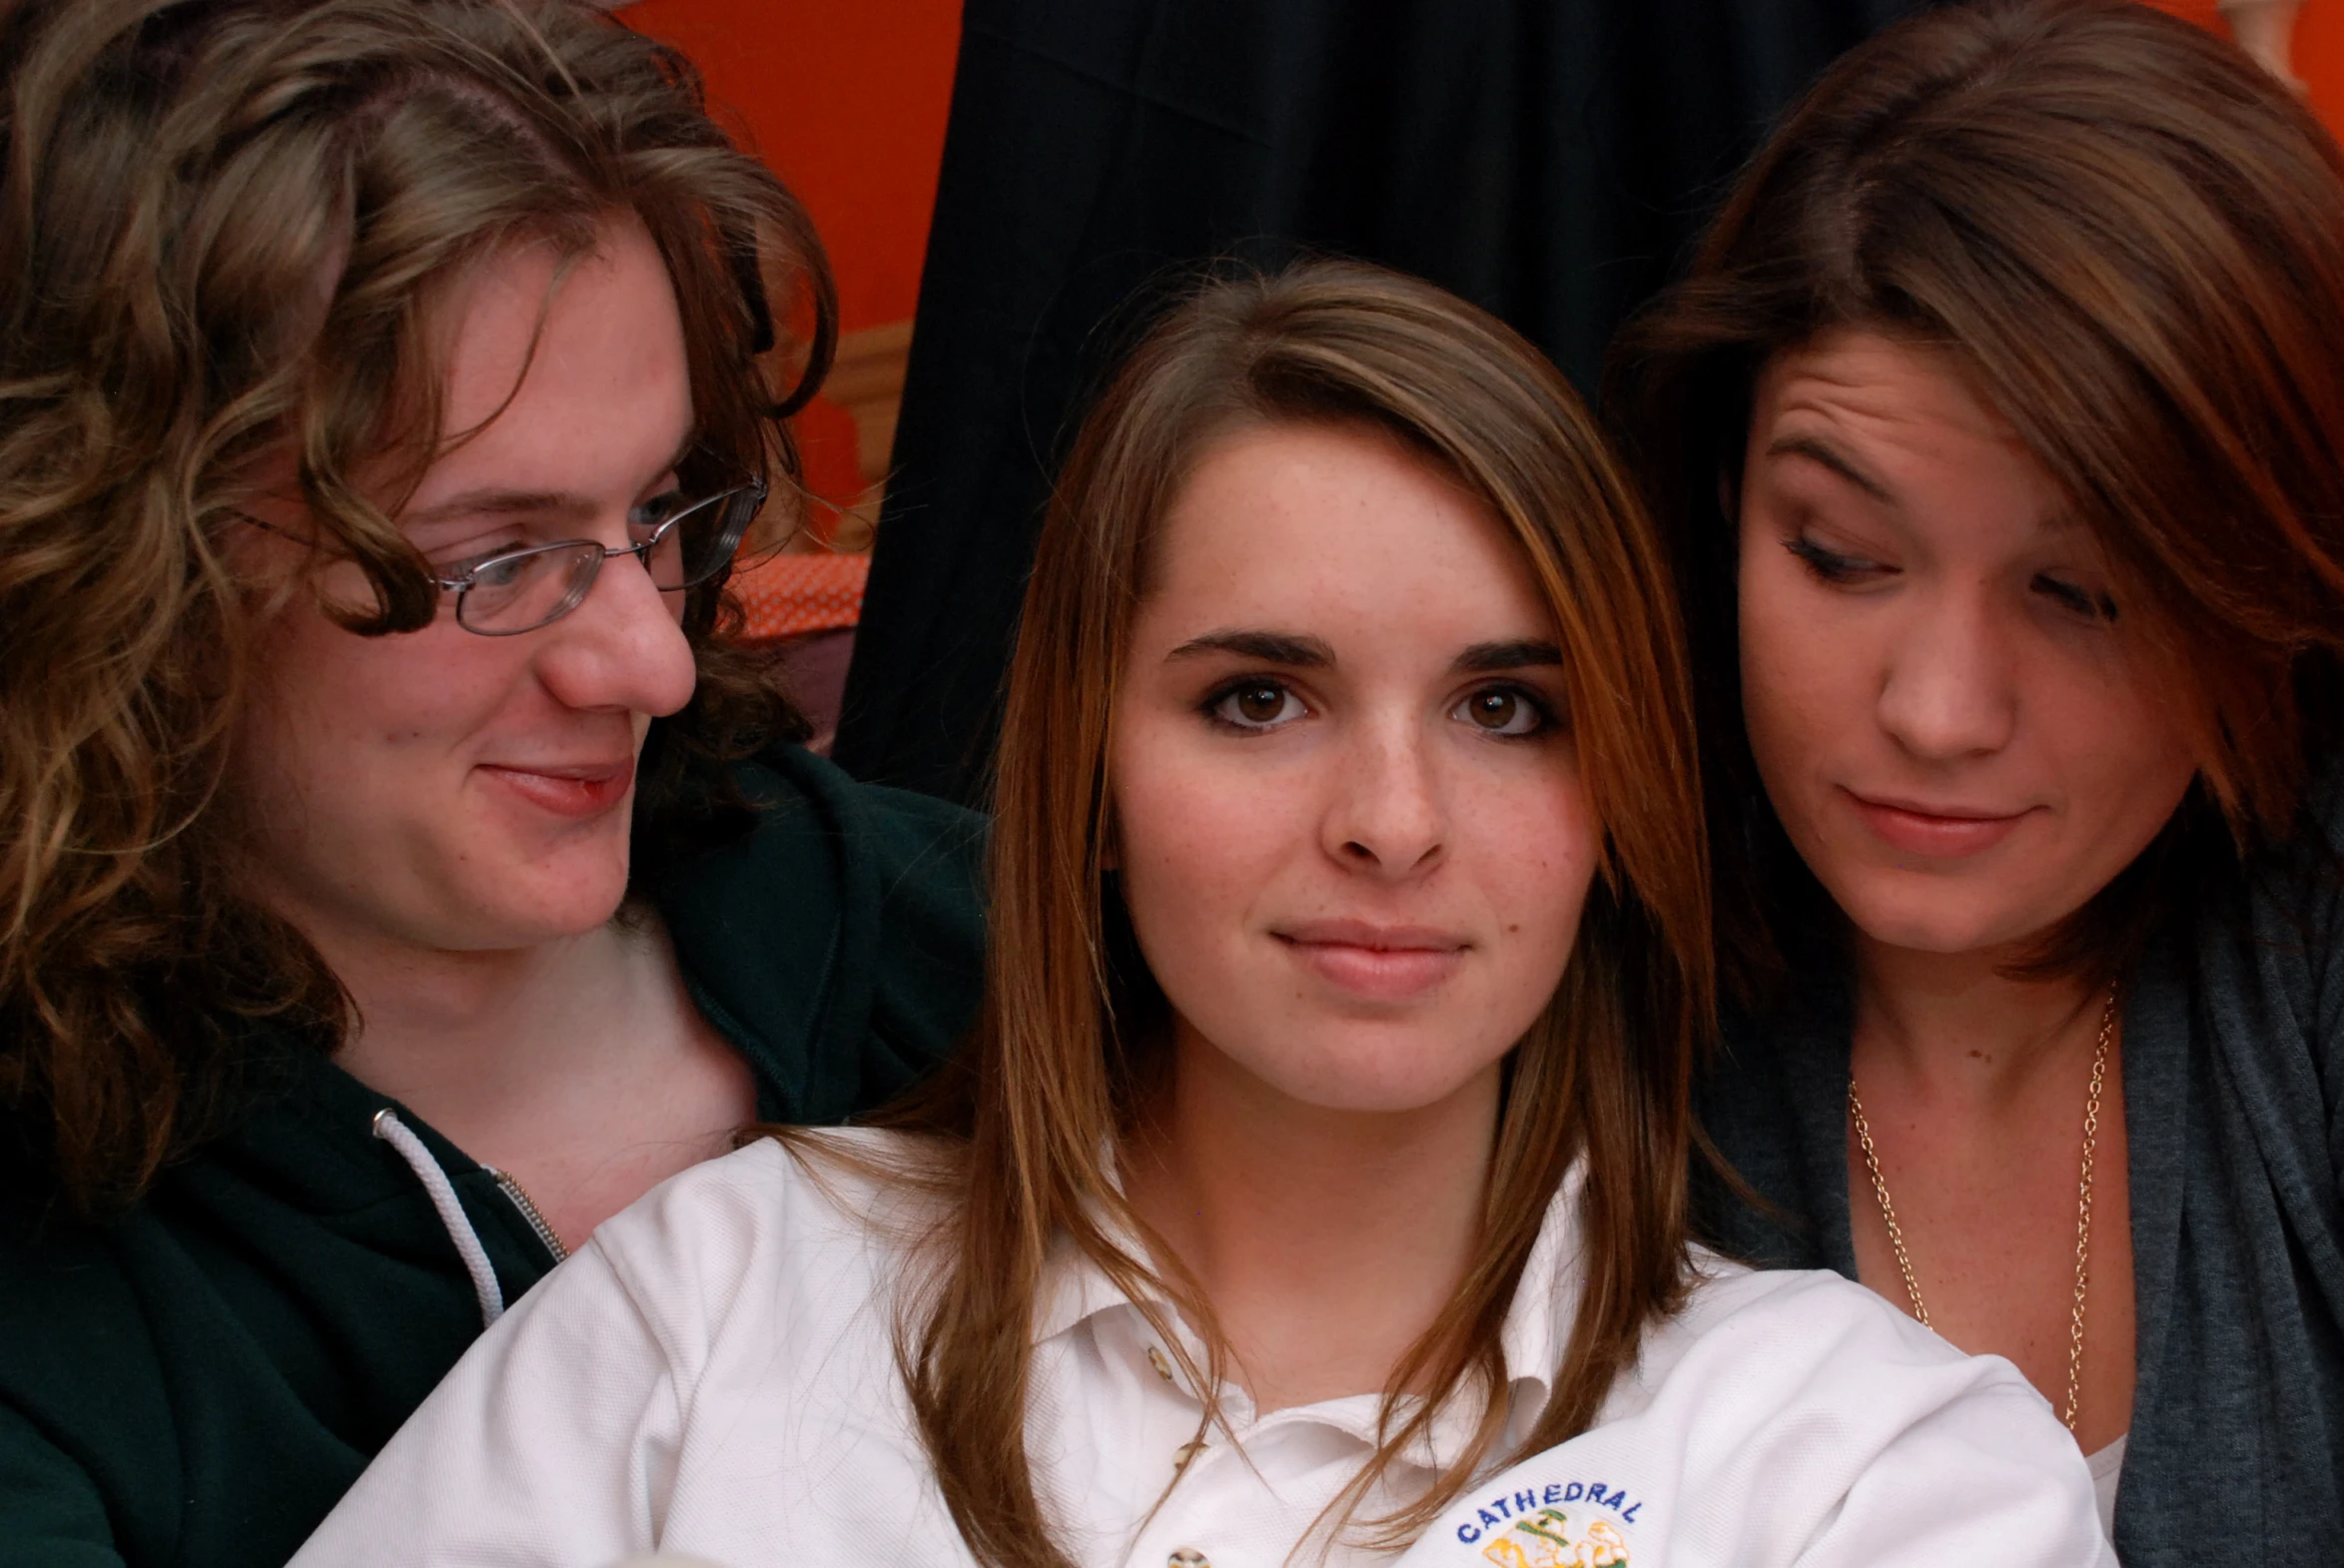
{"x": 1386, "y": 817}
{"x": 1950, "y": 689}
{"x": 624, "y": 647}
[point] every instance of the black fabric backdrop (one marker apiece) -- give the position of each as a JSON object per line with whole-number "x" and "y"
{"x": 1549, "y": 159}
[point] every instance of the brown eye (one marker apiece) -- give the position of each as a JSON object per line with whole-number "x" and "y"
{"x": 1501, "y": 710}
{"x": 1256, "y": 704}
{"x": 1259, "y": 704}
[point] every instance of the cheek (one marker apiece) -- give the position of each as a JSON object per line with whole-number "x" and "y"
{"x": 330, "y": 710}
{"x": 1796, "y": 666}
{"x": 2121, "y": 754}
{"x": 1197, "y": 834}
{"x": 1533, "y": 847}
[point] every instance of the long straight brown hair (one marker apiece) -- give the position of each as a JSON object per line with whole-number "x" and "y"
{"x": 2131, "y": 238}
{"x": 1069, "y": 1044}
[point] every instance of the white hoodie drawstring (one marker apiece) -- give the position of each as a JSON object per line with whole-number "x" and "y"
{"x": 410, "y": 1148}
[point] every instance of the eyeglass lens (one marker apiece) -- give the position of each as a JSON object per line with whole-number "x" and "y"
{"x": 525, "y": 590}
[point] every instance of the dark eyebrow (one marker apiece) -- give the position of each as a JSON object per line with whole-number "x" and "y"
{"x": 1272, "y": 647}
{"x": 1485, "y": 658}
{"x": 1816, "y": 450}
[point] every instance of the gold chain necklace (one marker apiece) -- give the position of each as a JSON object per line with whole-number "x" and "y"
{"x": 2091, "y": 1129}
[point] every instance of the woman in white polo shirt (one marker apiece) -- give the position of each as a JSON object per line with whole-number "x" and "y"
{"x": 1321, "y": 1152}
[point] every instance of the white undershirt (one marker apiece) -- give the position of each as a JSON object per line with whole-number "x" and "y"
{"x": 2106, "y": 1465}
{"x": 714, "y": 1374}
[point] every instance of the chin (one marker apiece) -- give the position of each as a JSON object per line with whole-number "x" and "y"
{"x": 529, "y": 906}
{"x": 1934, "y": 919}
{"x": 1341, "y": 1080}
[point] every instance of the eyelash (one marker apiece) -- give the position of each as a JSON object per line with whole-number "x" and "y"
{"x": 1219, "y": 696}
{"x": 1209, "y": 708}
{"x": 2074, "y": 600}
{"x": 1829, "y": 565}
{"x": 1832, "y": 567}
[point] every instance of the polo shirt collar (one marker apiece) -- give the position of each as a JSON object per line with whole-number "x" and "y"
{"x": 1537, "y": 1328}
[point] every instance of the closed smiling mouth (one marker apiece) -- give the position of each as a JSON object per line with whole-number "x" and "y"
{"x": 567, "y": 789}
{"x": 1371, "y": 962}
{"x": 1936, "y": 829}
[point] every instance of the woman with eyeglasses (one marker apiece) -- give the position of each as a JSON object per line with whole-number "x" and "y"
{"x": 399, "y": 871}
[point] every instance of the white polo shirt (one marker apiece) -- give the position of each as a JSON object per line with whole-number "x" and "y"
{"x": 714, "y": 1374}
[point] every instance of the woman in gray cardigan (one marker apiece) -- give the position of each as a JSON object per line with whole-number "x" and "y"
{"x": 1998, "y": 422}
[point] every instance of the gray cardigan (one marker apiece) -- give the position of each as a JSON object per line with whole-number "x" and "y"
{"x": 2234, "y": 1102}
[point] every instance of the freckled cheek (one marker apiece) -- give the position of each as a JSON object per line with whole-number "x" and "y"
{"x": 1196, "y": 834}
{"x": 1533, "y": 857}
{"x": 1201, "y": 841}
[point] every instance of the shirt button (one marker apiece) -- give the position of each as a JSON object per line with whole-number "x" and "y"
{"x": 1187, "y": 1557}
{"x": 1162, "y": 1365}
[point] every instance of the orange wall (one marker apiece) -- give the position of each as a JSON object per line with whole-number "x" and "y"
{"x": 846, "y": 100}
{"x": 2319, "y": 48}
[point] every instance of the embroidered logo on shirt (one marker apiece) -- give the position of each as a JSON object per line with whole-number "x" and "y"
{"x": 1548, "y": 1539}
{"x": 1576, "y": 1524}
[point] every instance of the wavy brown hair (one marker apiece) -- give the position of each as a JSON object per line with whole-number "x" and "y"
{"x": 222, "y": 222}
{"x": 2131, "y": 238}
{"x": 1071, "y": 1038}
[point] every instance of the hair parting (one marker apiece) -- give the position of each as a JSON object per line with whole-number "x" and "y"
{"x": 1057, "y": 1073}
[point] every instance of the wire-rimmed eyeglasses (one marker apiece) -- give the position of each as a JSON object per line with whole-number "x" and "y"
{"x": 512, "y": 592}
{"x": 520, "y": 590}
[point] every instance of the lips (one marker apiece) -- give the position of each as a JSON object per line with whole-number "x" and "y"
{"x": 1936, "y": 830}
{"x": 580, "y": 790}
{"x": 1376, "y": 962}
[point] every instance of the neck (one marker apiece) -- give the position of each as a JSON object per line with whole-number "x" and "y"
{"x": 1956, "y": 1021}
{"x": 1327, "y": 1240}
{"x": 467, "y": 1038}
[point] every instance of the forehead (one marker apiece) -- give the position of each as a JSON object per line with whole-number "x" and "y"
{"x": 1336, "y": 528}
{"x": 554, "y": 367}
{"x": 1902, "y": 425}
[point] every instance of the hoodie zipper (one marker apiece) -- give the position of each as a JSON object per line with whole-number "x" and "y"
{"x": 520, "y": 1201}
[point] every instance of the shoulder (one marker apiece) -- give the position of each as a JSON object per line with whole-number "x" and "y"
{"x": 839, "y": 941}
{"x": 787, "y": 781}
{"x": 2268, "y": 950}
{"x": 769, "y": 1197}
{"x": 823, "y": 831}
{"x": 1753, "y": 1350}
{"x": 1798, "y": 1314}
{"x": 772, "y": 1235}
{"x": 1793, "y": 1420}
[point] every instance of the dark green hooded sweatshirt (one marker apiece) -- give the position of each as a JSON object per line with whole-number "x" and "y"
{"x": 195, "y": 1383}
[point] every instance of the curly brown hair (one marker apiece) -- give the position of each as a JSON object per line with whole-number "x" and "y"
{"x": 221, "y": 223}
